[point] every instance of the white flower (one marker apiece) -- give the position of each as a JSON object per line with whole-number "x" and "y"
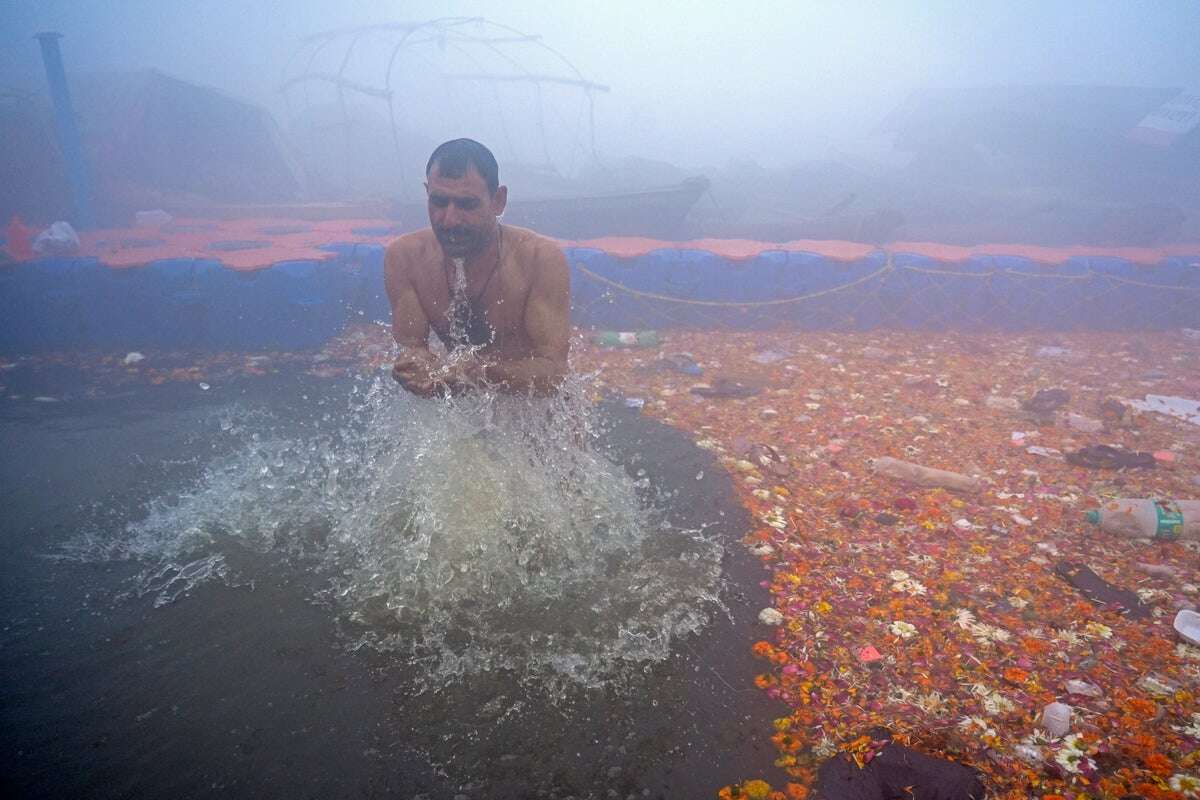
{"x": 966, "y": 724}
{"x": 1017, "y": 602}
{"x": 1068, "y": 637}
{"x": 775, "y": 518}
{"x": 1071, "y": 742}
{"x": 930, "y": 703}
{"x": 825, "y": 748}
{"x": 1152, "y": 595}
{"x": 761, "y": 494}
{"x": 993, "y": 702}
{"x": 1192, "y": 730}
{"x": 1187, "y": 651}
{"x": 1069, "y": 759}
{"x": 963, "y": 618}
{"x": 1072, "y": 756}
{"x": 986, "y": 634}
{"x": 898, "y": 575}
{"x": 910, "y": 586}
{"x": 1186, "y": 785}
{"x": 903, "y": 629}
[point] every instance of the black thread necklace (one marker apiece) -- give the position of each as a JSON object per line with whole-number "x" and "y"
{"x": 465, "y": 316}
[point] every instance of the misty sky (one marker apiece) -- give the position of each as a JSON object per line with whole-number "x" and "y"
{"x": 695, "y": 83}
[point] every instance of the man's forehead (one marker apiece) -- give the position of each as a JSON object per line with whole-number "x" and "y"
{"x": 469, "y": 183}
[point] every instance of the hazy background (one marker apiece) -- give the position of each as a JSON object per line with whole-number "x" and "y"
{"x": 705, "y": 86}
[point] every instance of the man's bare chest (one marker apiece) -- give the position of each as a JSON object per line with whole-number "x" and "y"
{"x": 500, "y": 300}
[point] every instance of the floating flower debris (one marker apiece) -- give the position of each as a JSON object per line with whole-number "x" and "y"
{"x": 935, "y": 614}
{"x": 968, "y": 631}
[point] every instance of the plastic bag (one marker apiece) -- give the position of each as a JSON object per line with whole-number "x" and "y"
{"x": 59, "y": 239}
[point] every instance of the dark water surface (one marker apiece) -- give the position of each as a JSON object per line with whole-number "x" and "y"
{"x": 249, "y": 689}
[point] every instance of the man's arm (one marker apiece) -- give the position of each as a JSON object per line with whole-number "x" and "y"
{"x": 410, "y": 328}
{"x": 548, "y": 326}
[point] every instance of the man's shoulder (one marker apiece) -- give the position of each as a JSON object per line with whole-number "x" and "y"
{"x": 415, "y": 246}
{"x": 532, "y": 244}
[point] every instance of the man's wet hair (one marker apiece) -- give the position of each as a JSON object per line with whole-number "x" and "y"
{"x": 453, "y": 157}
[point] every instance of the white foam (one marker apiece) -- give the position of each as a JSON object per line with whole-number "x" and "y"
{"x": 466, "y": 535}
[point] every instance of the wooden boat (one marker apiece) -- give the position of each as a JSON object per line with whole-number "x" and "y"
{"x": 657, "y": 213}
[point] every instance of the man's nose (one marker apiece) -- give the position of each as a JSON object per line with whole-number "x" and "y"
{"x": 451, "y": 215}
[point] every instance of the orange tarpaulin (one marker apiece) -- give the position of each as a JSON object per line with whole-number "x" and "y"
{"x": 1044, "y": 255}
{"x": 249, "y": 244}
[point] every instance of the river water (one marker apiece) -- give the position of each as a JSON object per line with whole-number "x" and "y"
{"x": 323, "y": 588}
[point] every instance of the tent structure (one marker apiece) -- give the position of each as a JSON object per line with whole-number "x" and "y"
{"x": 153, "y": 141}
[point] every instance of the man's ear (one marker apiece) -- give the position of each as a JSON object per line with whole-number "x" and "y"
{"x": 499, "y": 200}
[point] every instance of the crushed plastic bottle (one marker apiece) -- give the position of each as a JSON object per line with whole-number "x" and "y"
{"x": 769, "y": 616}
{"x": 1145, "y": 518}
{"x": 1056, "y": 719}
{"x": 925, "y": 476}
{"x": 626, "y": 339}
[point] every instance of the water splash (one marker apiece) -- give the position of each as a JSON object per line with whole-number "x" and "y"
{"x": 472, "y": 534}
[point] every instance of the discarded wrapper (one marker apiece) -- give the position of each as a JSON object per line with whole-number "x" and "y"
{"x": 868, "y": 654}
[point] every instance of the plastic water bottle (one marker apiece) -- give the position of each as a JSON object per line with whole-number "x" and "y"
{"x": 626, "y": 338}
{"x": 1142, "y": 518}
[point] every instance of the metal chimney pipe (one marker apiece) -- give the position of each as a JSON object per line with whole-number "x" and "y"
{"x": 68, "y": 132}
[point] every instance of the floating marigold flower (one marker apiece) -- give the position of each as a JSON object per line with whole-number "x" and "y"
{"x": 1015, "y": 675}
{"x": 796, "y": 792}
{"x": 1034, "y": 647}
{"x": 1140, "y": 707}
{"x": 1159, "y": 764}
{"x": 1143, "y": 743}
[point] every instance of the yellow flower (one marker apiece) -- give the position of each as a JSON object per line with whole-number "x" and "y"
{"x": 823, "y": 607}
{"x": 756, "y": 789}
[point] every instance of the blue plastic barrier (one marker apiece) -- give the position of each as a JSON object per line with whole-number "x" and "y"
{"x": 199, "y": 304}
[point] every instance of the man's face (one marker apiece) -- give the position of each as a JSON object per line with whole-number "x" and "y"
{"x": 462, "y": 211}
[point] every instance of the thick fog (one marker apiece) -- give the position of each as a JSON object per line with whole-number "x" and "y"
{"x": 762, "y": 98}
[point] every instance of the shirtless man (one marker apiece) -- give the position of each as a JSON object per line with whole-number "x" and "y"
{"x": 511, "y": 303}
